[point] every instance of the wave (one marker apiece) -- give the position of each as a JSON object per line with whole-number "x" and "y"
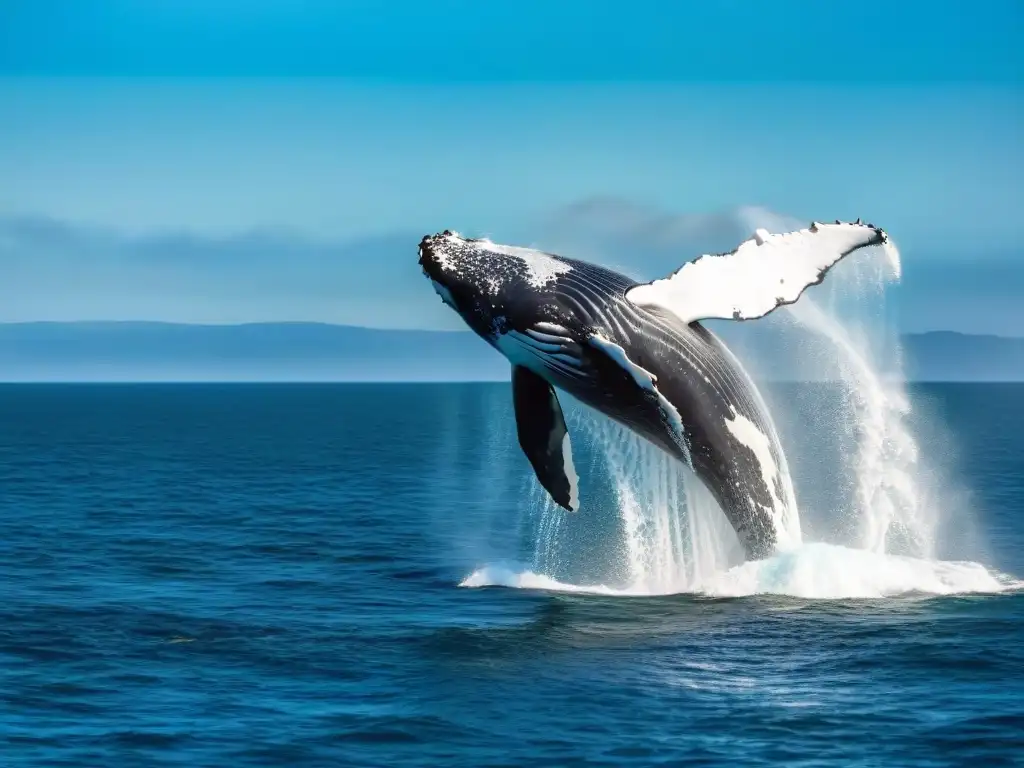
{"x": 814, "y": 571}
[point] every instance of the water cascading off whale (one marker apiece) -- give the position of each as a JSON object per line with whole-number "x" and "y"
{"x": 637, "y": 353}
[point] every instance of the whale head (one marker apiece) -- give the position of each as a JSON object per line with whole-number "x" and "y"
{"x": 491, "y": 286}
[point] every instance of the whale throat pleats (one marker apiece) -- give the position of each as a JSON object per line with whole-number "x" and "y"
{"x": 762, "y": 274}
{"x": 544, "y": 437}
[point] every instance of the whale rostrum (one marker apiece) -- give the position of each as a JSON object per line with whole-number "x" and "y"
{"x": 637, "y": 353}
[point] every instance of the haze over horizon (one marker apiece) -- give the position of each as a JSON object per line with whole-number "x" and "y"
{"x": 148, "y": 174}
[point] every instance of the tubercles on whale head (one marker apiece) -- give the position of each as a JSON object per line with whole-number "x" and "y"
{"x": 449, "y": 255}
{"x": 482, "y": 280}
{"x": 467, "y": 277}
{"x": 441, "y": 263}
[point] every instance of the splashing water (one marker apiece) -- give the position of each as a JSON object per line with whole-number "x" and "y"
{"x": 875, "y": 402}
{"x": 671, "y": 536}
{"x": 675, "y": 535}
{"x": 815, "y": 572}
{"x": 887, "y": 494}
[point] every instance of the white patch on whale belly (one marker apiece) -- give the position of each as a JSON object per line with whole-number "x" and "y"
{"x": 645, "y": 380}
{"x": 748, "y": 434}
{"x": 570, "y": 473}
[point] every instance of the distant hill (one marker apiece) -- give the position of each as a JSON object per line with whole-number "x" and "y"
{"x": 318, "y": 352}
{"x": 258, "y": 351}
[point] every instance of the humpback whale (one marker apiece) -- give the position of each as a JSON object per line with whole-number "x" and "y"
{"x": 638, "y": 353}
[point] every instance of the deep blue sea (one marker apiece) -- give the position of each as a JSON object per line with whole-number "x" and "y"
{"x": 365, "y": 575}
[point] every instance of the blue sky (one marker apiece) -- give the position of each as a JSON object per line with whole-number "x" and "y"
{"x": 216, "y": 161}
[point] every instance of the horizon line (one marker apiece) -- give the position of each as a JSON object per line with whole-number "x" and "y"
{"x": 418, "y": 382}
{"x": 324, "y": 324}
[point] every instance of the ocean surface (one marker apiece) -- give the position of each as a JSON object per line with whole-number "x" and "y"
{"x": 366, "y": 575}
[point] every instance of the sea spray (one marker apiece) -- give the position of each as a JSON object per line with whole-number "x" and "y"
{"x": 883, "y": 465}
{"x": 668, "y": 534}
{"x": 672, "y": 536}
{"x": 815, "y": 572}
{"x": 862, "y": 357}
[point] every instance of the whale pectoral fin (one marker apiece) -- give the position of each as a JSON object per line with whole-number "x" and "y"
{"x": 762, "y": 274}
{"x": 543, "y": 436}
{"x": 647, "y": 384}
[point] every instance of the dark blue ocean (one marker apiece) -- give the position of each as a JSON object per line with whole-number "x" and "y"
{"x": 243, "y": 575}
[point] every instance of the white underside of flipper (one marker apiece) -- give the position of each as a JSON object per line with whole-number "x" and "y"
{"x": 647, "y": 381}
{"x": 762, "y": 274}
{"x": 570, "y": 473}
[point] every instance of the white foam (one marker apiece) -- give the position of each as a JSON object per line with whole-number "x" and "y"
{"x": 518, "y": 578}
{"x": 827, "y": 571}
{"x": 813, "y": 571}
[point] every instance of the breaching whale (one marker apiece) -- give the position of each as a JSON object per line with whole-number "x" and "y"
{"x": 637, "y": 353}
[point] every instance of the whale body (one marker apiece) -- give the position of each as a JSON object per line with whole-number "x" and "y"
{"x": 637, "y": 353}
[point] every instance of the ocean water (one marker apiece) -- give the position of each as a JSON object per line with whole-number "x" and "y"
{"x": 367, "y": 575}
